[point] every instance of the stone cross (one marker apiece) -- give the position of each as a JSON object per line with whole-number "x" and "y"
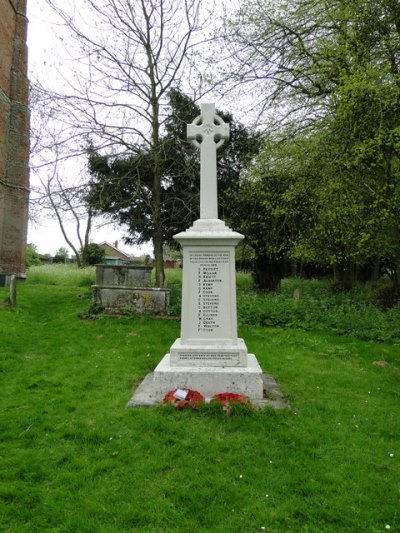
{"x": 208, "y": 132}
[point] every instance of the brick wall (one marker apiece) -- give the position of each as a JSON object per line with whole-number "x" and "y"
{"x": 14, "y": 136}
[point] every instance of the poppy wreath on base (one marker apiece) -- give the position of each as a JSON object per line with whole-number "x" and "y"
{"x": 229, "y": 398}
{"x": 184, "y": 398}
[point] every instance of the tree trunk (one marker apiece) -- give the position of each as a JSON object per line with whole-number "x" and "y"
{"x": 157, "y": 222}
{"x": 156, "y": 203}
{"x": 344, "y": 276}
{"x": 61, "y": 224}
{"x": 396, "y": 277}
{"x": 375, "y": 271}
{"x": 158, "y": 258}
{"x": 268, "y": 273}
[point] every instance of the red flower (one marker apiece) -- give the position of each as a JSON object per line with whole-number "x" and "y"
{"x": 227, "y": 398}
{"x": 184, "y": 398}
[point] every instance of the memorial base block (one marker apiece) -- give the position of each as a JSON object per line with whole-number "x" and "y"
{"x": 209, "y": 380}
{"x": 207, "y": 353}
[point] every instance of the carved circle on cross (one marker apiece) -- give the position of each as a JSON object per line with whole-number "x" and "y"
{"x": 208, "y": 129}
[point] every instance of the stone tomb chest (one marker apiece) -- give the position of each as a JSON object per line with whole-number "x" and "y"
{"x": 126, "y": 275}
{"x": 126, "y": 289}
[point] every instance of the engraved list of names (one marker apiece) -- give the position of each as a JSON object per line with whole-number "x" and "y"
{"x": 209, "y": 269}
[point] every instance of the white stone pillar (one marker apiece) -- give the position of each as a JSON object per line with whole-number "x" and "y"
{"x": 209, "y": 357}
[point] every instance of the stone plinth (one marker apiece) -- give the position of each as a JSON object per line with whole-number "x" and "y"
{"x": 209, "y": 380}
{"x": 147, "y": 394}
{"x": 209, "y": 357}
{"x": 209, "y": 322}
{"x": 228, "y": 353}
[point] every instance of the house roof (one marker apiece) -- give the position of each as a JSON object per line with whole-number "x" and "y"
{"x": 112, "y": 251}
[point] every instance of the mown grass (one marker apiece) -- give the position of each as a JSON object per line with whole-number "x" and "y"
{"x": 73, "y": 458}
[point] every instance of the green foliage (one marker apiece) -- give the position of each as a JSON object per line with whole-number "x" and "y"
{"x": 356, "y": 312}
{"x": 75, "y": 459}
{"x": 93, "y": 311}
{"x": 61, "y": 255}
{"x": 175, "y": 296}
{"x": 339, "y": 75}
{"x": 123, "y": 187}
{"x": 92, "y": 254}
{"x": 32, "y": 255}
{"x": 318, "y": 309}
{"x": 387, "y": 297}
{"x": 270, "y": 207}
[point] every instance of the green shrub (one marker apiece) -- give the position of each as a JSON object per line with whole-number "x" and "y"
{"x": 32, "y": 255}
{"x": 318, "y": 309}
{"x": 387, "y": 297}
{"x": 92, "y": 254}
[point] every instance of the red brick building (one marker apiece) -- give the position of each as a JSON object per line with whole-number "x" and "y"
{"x": 14, "y": 137}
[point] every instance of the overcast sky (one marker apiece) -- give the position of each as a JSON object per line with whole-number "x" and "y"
{"x": 45, "y": 63}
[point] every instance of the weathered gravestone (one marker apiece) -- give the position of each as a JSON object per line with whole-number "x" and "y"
{"x": 126, "y": 289}
{"x": 208, "y": 357}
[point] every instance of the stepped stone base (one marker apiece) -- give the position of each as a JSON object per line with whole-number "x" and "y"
{"x": 149, "y": 394}
{"x": 247, "y": 381}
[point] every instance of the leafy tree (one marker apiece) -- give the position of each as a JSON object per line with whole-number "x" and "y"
{"x": 92, "y": 254}
{"x": 61, "y": 255}
{"x": 122, "y": 187}
{"x": 296, "y": 54}
{"x": 32, "y": 255}
{"x": 309, "y": 203}
{"x": 335, "y": 66}
{"x": 271, "y": 207}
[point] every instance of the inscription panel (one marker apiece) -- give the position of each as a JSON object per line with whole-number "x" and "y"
{"x": 208, "y": 291}
{"x": 209, "y": 273}
{"x": 217, "y": 357}
{"x": 208, "y": 329}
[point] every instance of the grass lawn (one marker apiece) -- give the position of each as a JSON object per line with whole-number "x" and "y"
{"x": 73, "y": 458}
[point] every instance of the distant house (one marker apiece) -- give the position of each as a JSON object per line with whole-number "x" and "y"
{"x": 113, "y": 255}
{"x": 172, "y": 258}
{"x": 173, "y": 263}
